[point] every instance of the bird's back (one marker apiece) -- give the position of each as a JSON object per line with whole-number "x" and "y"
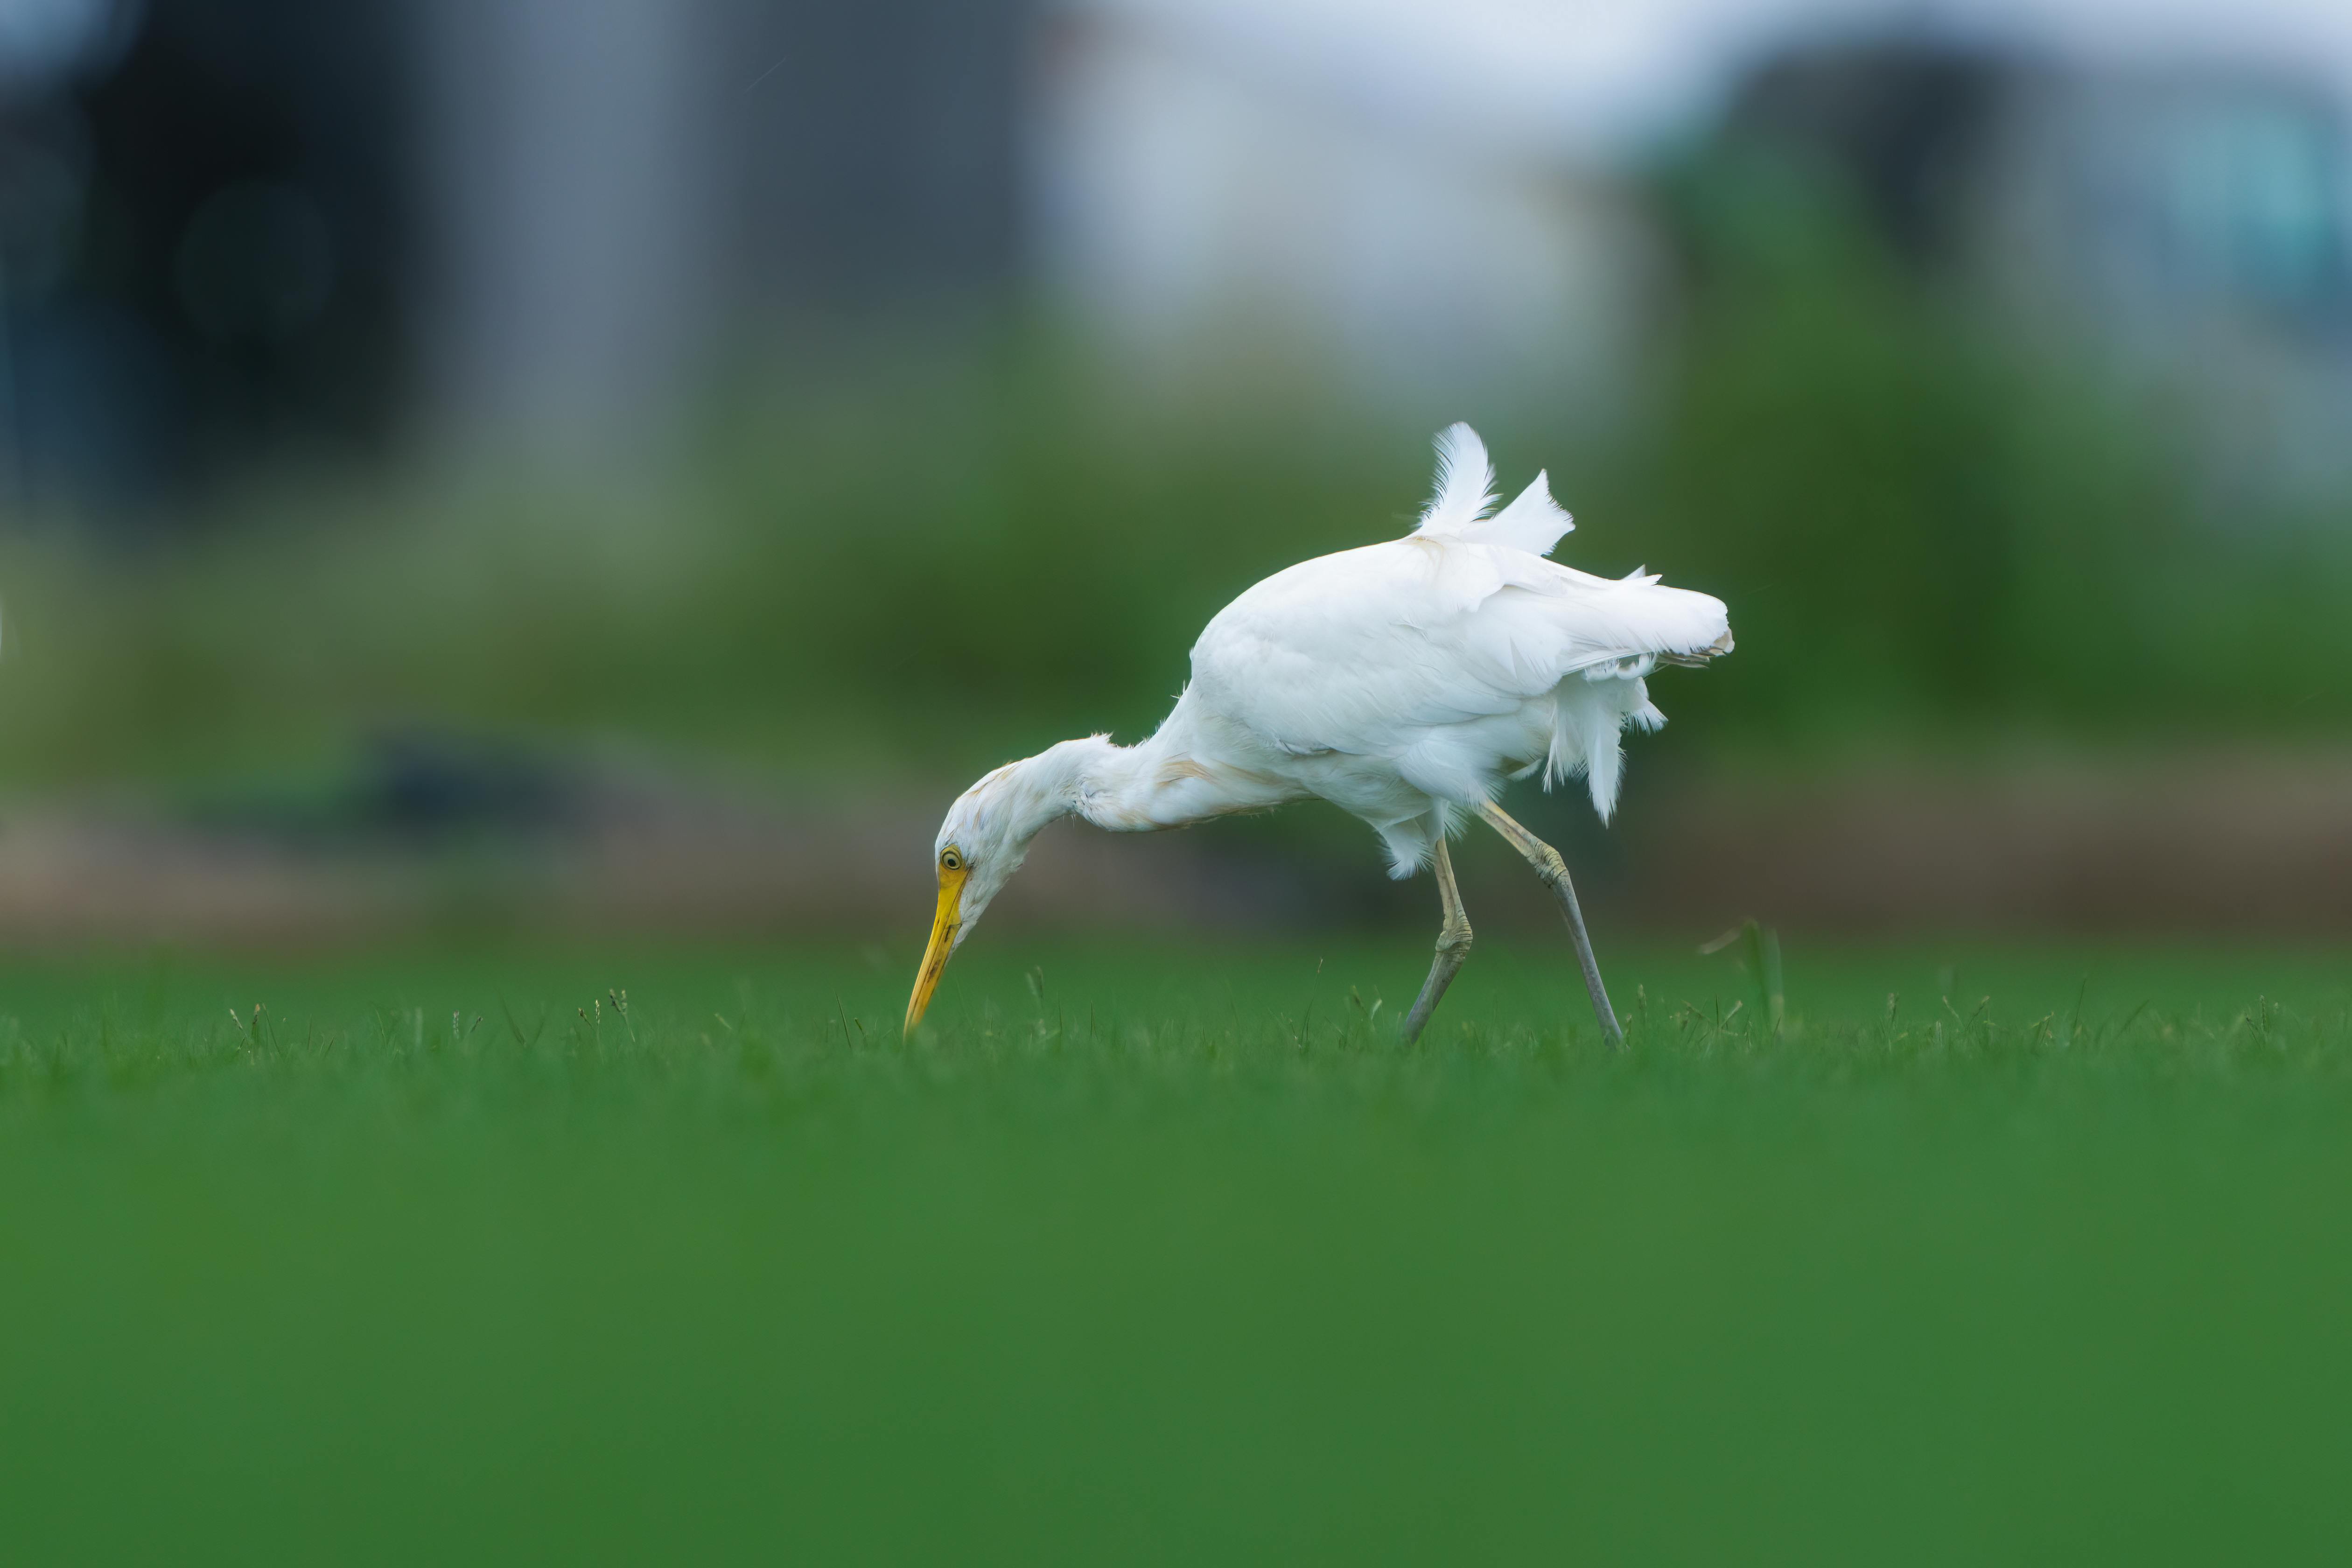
{"x": 1452, "y": 661}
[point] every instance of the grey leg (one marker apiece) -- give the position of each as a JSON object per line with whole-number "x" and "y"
{"x": 1452, "y": 947}
{"x": 1554, "y": 871}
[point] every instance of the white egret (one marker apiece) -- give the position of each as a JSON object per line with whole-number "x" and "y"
{"x": 1403, "y": 682}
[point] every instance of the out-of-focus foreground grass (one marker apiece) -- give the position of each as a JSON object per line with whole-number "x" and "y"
{"x": 1176, "y": 1258}
{"x": 1918, "y": 523}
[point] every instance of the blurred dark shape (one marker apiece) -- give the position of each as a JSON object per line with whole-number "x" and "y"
{"x": 413, "y": 787}
{"x": 201, "y": 215}
{"x": 879, "y": 148}
{"x": 2187, "y": 226}
{"x": 256, "y": 264}
{"x": 1908, "y": 124}
{"x": 433, "y": 783}
{"x": 626, "y": 195}
{"x": 2204, "y": 185}
{"x": 236, "y": 231}
{"x": 232, "y": 255}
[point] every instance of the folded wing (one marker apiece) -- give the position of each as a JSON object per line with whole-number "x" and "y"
{"x": 1401, "y": 650}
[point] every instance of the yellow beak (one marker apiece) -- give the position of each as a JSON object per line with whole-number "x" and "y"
{"x": 944, "y": 926}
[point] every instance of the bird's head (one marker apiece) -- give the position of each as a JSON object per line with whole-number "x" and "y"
{"x": 983, "y": 842}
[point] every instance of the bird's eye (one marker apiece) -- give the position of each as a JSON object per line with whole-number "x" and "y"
{"x": 950, "y": 861}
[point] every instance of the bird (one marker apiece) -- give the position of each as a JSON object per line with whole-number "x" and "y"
{"x": 1405, "y": 682}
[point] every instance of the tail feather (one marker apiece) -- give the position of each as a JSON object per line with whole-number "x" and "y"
{"x": 1466, "y": 494}
{"x": 1588, "y": 721}
{"x": 1594, "y": 639}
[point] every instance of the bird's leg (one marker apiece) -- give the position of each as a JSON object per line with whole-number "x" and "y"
{"x": 1452, "y": 947}
{"x": 1554, "y": 871}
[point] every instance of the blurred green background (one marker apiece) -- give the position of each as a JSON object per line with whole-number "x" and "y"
{"x": 1992, "y": 388}
{"x": 1929, "y": 535}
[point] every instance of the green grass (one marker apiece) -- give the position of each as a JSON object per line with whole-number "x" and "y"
{"x": 1176, "y": 1256}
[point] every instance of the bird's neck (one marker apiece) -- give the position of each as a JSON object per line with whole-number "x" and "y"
{"x": 1126, "y": 789}
{"x": 1090, "y": 777}
{"x": 1175, "y": 779}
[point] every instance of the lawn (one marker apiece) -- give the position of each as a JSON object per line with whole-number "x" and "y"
{"x": 1174, "y": 1255}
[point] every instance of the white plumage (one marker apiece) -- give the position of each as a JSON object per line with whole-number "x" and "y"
{"x": 1402, "y": 681}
